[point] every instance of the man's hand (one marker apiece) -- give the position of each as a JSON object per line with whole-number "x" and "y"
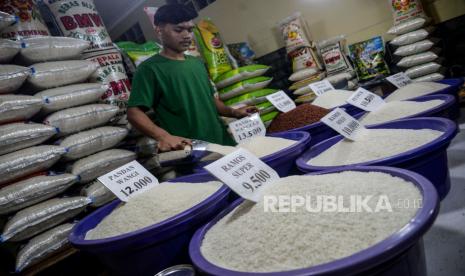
{"x": 170, "y": 142}
{"x": 244, "y": 111}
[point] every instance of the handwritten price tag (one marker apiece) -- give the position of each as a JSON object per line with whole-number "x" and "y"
{"x": 281, "y": 101}
{"x": 344, "y": 124}
{"x": 244, "y": 173}
{"x": 247, "y": 128}
{"x": 129, "y": 180}
{"x": 365, "y": 100}
{"x": 399, "y": 79}
{"x": 321, "y": 87}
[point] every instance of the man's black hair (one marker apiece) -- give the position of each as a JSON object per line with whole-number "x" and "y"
{"x": 173, "y": 14}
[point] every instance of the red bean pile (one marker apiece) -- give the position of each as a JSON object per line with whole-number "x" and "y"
{"x": 302, "y": 115}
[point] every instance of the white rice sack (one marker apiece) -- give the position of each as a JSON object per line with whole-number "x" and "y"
{"x": 374, "y": 144}
{"x": 33, "y": 190}
{"x": 43, "y": 216}
{"x": 244, "y": 87}
{"x": 8, "y": 50}
{"x": 423, "y": 69}
{"x": 407, "y": 26}
{"x": 417, "y": 59}
{"x": 155, "y": 205}
{"x": 303, "y": 90}
{"x": 333, "y": 98}
{"x": 75, "y": 119}
{"x": 96, "y": 165}
{"x": 91, "y": 141}
{"x": 99, "y": 194}
{"x": 12, "y": 77}
{"x": 146, "y": 146}
{"x": 59, "y": 73}
{"x": 397, "y": 110}
{"x": 410, "y": 38}
{"x": 43, "y": 246}
{"x": 51, "y": 48}
{"x": 18, "y": 107}
{"x": 414, "y": 48}
{"x": 18, "y": 136}
{"x": 430, "y": 77}
{"x": 27, "y": 161}
{"x": 414, "y": 90}
{"x": 70, "y": 96}
{"x": 334, "y": 79}
{"x": 6, "y": 20}
{"x": 303, "y": 74}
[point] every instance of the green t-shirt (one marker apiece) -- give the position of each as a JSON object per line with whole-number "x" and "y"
{"x": 182, "y": 97}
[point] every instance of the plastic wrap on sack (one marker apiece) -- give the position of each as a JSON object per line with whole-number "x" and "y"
{"x": 146, "y": 146}
{"x": 411, "y": 37}
{"x": 368, "y": 58}
{"x": 33, "y": 190}
{"x": 99, "y": 194}
{"x": 8, "y": 50}
{"x": 430, "y": 77}
{"x": 417, "y": 59}
{"x": 414, "y": 48}
{"x": 6, "y": 20}
{"x": 422, "y": 70}
{"x": 29, "y": 22}
{"x": 75, "y": 119}
{"x": 12, "y": 77}
{"x": 18, "y": 107}
{"x": 407, "y": 26}
{"x": 89, "y": 142}
{"x": 403, "y": 11}
{"x": 294, "y": 32}
{"x": 73, "y": 95}
{"x": 333, "y": 53}
{"x": 27, "y": 161}
{"x": 18, "y": 136}
{"x": 43, "y": 216}
{"x": 43, "y": 246}
{"x": 96, "y": 165}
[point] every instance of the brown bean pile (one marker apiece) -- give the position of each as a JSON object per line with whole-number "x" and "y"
{"x": 302, "y": 115}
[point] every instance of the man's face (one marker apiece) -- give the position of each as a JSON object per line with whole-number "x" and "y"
{"x": 177, "y": 37}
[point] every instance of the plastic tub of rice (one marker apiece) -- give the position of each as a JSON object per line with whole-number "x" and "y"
{"x": 417, "y": 144}
{"x": 248, "y": 239}
{"x": 440, "y": 105}
{"x": 151, "y": 233}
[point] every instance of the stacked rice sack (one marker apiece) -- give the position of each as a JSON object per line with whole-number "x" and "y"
{"x": 414, "y": 46}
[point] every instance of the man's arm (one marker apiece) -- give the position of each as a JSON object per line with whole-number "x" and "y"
{"x": 227, "y": 111}
{"x": 166, "y": 141}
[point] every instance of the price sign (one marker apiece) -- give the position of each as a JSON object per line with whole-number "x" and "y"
{"x": 244, "y": 173}
{"x": 281, "y": 101}
{"x": 129, "y": 180}
{"x": 344, "y": 124}
{"x": 399, "y": 79}
{"x": 365, "y": 100}
{"x": 321, "y": 87}
{"x": 247, "y": 128}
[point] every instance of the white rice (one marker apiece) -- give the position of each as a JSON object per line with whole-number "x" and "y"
{"x": 155, "y": 205}
{"x": 251, "y": 240}
{"x": 373, "y": 145}
{"x": 332, "y": 98}
{"x": 415, "y": 89}
{"x": 397, "y": 110}
{"x": 260, "y": 146}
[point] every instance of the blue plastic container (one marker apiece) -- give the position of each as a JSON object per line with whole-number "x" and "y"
{"x": 429, "y": 160}
{"x": 153, "y": 248}
{"x": 401, "y": 254}
{"x": 444, "y": 110}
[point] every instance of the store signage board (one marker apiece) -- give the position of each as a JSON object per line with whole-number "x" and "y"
{"x": 344, "y": 124}
{"x": 366, "y": 100}
{"x": 399, "y": 79}
{"x": 281, "y": 101}
{"x": 129, "y": 180}
{"x": 247, "y": 128}
{"x": 321, "y": 87}
{"x": 244, "y": 173}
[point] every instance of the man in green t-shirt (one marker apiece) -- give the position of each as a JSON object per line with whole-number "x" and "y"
{"x": 177, "y": 87}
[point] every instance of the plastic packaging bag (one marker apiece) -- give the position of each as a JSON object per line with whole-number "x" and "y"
{"x": 43, "y": 246}
{"x": 407, "y": 26}
{"x": 75, "y": 119}
{"x": 334, "y": 56}
{"x": 403, "y": 11}
{"x": 251, "y": 98}
{"x": 33, "y": 190}
{"x": 18, "y": 136}
{"x": 305, "y": 58}
{"x": 12, "y": 77}
{"x": 411, "y": 37}
{"x": 414, "y": 48}
{"x": 6, "y": 20}
{"x": 51, "y": 48}
{"x": 293, "y": 30}
{"x": 305, "y": 82}
{"x": 18, "y": 107}
{"x": 417, "y": 59}
{"x": 244, "y": 87}
{"x": 240, "y": 74}
{"x": 242, "y": 52}
{"x": 430, "y": 77}
{"x": 139, "y": 52}
{"x": 73, "y": 95}
{"x": 423, "y": 69}
{"x": 99, "y": 194}
{"x": 28, "y": 161}
{"x": 43, "y": 216}
{"x": 8, "y": 50}
{"x": 91, "y": 141}
{"x": 368, "y": 58}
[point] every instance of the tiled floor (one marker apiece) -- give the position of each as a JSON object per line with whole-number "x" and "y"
{"x": 445, "y": 241}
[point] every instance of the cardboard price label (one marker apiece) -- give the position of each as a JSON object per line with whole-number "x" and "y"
{"x": 344, "y": 124}
{"x": 129, "y": 180}
{"x": 244, "y": 173}
{"x": 281, "y": 101}
{"x": 247, "y": 128}
{"x": 321, "y": 87}
{"x": 399, "y": 79}
{"x": 365, "y": 100}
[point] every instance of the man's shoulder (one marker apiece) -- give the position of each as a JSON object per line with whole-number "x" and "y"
{"x": 152, "y": 61}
